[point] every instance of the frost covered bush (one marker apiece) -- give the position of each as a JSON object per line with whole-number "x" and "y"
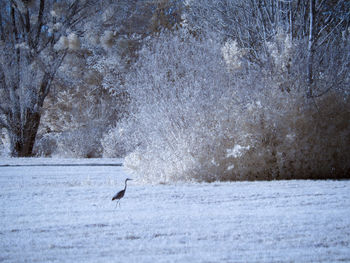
{"x": 74, "y": 121}
{"x": 287, "y": 138}
{"x": 173, "y": 102}
{"x": 112, "y": 144}
{"x": 82, "y": 143}
{"x": 4, "y": 144}
{"x": 197, "y": 117}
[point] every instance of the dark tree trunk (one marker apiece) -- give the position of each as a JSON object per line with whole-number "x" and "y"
{"x": 310, "y": 49}
{"x": 24, "y": 138}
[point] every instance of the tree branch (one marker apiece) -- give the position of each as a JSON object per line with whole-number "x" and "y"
{"x": 40, "y": 22}
{"x": 2, "y": 32}
{"x": 3, "y": 124}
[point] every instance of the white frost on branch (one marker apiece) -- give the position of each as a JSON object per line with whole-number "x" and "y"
{"x": 58, "y": 10}
{"x": 107, "y": 15}
{"x": 236, "y": 151}
{"x": 107, "y": 39}
{"x": 53, "y": 13}
{"x": 62, "y": 43}
{"x": 232, "y": 55}
{"x": 22, "y": 45}
{"x": 281, "y": 49}
{"x": 74, "y": 41}
{"x": 33, "y": 19}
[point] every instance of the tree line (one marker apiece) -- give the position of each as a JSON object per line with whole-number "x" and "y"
{"x": 104, "y": 71}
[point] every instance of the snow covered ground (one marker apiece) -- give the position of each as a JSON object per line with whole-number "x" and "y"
{"x": 65, "y": 214}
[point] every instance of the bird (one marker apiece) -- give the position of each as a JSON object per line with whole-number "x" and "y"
{"x": 121, "y": 193}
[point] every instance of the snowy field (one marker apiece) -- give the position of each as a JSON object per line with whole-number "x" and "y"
{"x": 65, "y": 214}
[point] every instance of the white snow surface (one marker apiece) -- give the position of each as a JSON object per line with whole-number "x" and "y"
{"x": 59, "y": 161}
{"x": 65, "y": 214}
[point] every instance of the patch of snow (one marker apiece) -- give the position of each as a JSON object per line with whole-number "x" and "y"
{"x": 59, "y": 161}
{"x": 65, "y": 214}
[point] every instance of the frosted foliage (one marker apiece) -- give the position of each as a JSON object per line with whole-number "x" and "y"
{"x": 179, "y": 89}
{"x": 232, "y": 55}
{"x": 92, "y": 38}
{"x": 79, "y": 143}
{"x": 35, "y": 46}
{"x": 58, "y": 9}
{"x": 4, "y": 143}
{"x": 111, "y": 143}
{"x": 75, "y": 119}
{"x": 62, "y": 43}
{"x": 281, "y": 50}
{"x": 74, "y": 42}
{"x": 20, "y": 5}
{"x": 107, "y": 39}
{"x": 107, "y": 15}
{"x": 193, "y": 120}
{"x": 28, "y": 85}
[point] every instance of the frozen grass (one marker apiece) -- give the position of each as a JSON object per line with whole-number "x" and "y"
{"x": 65, "y": 214}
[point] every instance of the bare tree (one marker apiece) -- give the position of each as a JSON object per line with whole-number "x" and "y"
{"x": 318, "y": 28}
{"x": 35, "y": 38}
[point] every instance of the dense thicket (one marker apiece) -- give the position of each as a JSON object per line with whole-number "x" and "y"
{"x": 249, "y": 90}
{"x": 209, "y": 115}
{"x": 186, "y": 90}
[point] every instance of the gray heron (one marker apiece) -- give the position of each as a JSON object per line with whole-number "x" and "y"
{"x": 121, "y": 193}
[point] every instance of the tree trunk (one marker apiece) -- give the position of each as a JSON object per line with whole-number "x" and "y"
{"x": 310, "y": 50}
{"x": 23, "y": 138}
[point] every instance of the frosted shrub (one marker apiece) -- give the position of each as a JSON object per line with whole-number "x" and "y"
{"x": 112, "y": 145}
{"x": 63, "y": 43}
{"x": 193, "y": 119}
{"x": 232, "y": 55}
{"x": 74, "y": 42}
{"x": 107, "y": 39}
{"x": 82, "y": 143}
{"x": 290, "y": 139}
{"x": 4, "y": 143}
{"x": 175, "y": 93}
{"x": 46, "y": 145}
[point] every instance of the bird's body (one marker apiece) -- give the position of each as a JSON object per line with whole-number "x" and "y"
{"x": 121, "y": 193}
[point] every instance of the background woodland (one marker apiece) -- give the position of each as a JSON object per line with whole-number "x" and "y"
{"x": 184, "y": 90}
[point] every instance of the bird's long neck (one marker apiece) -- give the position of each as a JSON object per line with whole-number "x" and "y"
{"x": 125, "y": 185}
